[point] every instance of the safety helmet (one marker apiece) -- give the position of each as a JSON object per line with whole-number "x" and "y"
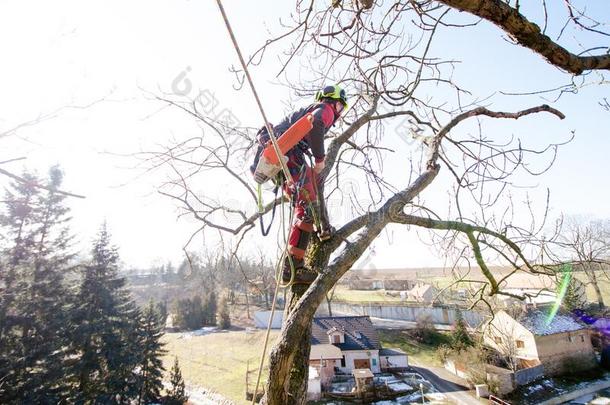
{"x": 334, "y": 92}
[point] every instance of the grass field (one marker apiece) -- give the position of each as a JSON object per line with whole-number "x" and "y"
{"x": 342, "y": 293}
{"x": 421, "y": 353}
{"x": 217, "y": 361}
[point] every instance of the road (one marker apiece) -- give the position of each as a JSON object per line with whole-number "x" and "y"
{"x": 448, "y": 384}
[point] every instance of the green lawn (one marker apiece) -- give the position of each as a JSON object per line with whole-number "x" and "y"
{"x": 217, "y": 361}
{"x": 421, "y": 353}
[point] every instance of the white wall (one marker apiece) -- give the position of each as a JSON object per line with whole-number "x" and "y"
{"x": 351, "y": 355}
{"x": 395, "y": 361}
{"x": 504, "y": 327}
{"x": 261, "y": 319}
{"x": 314, "y": 386}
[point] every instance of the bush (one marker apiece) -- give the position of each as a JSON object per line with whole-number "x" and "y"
{"x": 424, "y": 330}
{"x": 443, "y": 353}
{"x": 224, "y": 317}
{"x": 460, "y": 338}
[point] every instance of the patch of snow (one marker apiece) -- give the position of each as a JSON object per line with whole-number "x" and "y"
{"x": 539, "y": 323}
{"x": 400, "y": 386}
{"x": 436, "y": 396}
{"x": 583, "y": 400}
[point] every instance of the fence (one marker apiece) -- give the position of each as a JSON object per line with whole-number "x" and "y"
{"x": 437, "y": 315}
{"x": 496, "y": 400}
{"x": 527, "y": 375}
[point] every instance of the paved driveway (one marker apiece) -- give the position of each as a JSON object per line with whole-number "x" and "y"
{"x": 448, "y": 384}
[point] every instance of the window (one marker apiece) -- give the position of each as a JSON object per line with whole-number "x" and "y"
{"x": 374, "y": 362}
{"x": 582, "y": 338}
{"x": 570, "y": 338}
{"x": 498, "y": 340}
{"x": 520, "y": 344}
{"x": 343, "y": 361}
{"x": 336, "y": 339}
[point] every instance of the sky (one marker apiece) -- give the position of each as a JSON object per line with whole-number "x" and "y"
{"x": 87, "y": 73}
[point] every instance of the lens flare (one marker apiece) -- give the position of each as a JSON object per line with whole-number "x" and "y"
{"x": 566, "y": 269}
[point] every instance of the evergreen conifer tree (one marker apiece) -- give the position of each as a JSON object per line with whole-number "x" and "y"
{"x": 224, "y": 317}
{"x": 35, "y": 311}
{"x": 106, "y": 330}
{"x": 177, "y": 391}
{"x": 460, "y": 339}
{"x": 150, "y": 368}
{"x": 211, "y": 307}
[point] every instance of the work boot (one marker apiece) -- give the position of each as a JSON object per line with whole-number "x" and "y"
{"x": 302, "y": 275}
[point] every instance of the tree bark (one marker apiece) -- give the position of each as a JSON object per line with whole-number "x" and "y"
{"x": 593, "y": 280}
{"x": 328, "y": 304}
{"x": 529, "y": 35}
{"x": 289, "y": 359}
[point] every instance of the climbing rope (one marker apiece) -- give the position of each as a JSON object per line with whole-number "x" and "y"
{"x": 287, "y": 178}
{"x": 269, "y": 127}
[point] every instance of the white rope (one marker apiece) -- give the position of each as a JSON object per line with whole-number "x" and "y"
{"x": 258, "y": 101}
{"x": 288, "y": 178}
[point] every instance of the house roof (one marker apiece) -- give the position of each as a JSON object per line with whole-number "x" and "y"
{"x": 540, "y": 323}
{"x": 325, "y": 352}
{"x": 350, "y": 326}
{"x": 420, "y": 289}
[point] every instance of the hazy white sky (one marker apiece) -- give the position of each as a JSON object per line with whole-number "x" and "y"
{"x": 88, "y": 69}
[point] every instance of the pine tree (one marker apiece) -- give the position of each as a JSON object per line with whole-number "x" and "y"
{"x": 574, "y": 294}
{"x": 460, "y": 339}
{"x": 211, "y": 307}
{"x": 224, "y": 317}
{"x": 197, "y": 315}
{"x": 36, "y": 310}
{"x": 177, "y": 392}
{"x": 161, "y": 308}
{"x": 150, "y": 374}
{"x": 106, "y": 333}
{"x": 18, "y": 235}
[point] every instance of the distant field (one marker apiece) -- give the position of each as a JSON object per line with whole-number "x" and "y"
{"x": 217, "y": 361}
{"x": 342, "y": 293}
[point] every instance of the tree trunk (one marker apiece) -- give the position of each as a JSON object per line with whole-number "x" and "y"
{"x": 593, "y": 280}
{"x": 328, "y": 304}
{"x": 289, "y": 358}
{"x": 247, "y": 303}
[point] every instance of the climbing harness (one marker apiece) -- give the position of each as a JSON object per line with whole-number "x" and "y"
{"x": 261, "y": 208}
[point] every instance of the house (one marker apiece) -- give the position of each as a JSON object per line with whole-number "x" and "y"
{"x": 531, "y": 336}
{"x": 424, "y": 293}
{"x": 399, "y": 284}
{"x": 539, "y": 289}
{"x": 324, "y": 358}
{"x": 357, "y": 283}
{"x": 354, "y": 336}
{"x": 350, "y": 345}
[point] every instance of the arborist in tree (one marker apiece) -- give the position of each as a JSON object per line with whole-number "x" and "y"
{"x": 306, "y": 189}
